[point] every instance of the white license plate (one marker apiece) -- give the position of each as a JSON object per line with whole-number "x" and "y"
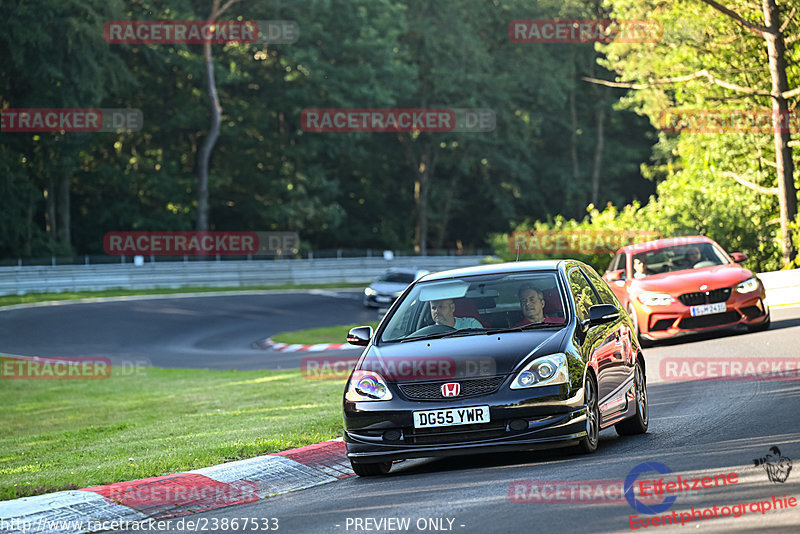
{"x": 451, "y": 417}
{"x": 383, "y": 299}
{"x": 708, "y": 309}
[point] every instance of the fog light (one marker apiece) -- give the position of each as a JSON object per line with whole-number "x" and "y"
{"x": 391, "y": 435}
{"x": 518, "y": 424}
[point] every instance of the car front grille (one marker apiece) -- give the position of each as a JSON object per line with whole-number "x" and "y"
{"x": 705, "y": 297}
{"x": 454, "y": 434}
{"x": 471, "y": 387}
{"x": 704, "y": 321}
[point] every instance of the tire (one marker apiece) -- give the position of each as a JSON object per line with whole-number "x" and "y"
{"x": 761, "y": 327}
{"x": 370, "y": 470}
{"x": 588, "y": 443}
{"x": 638, "y": 423}
{"x": 644, "y": 343}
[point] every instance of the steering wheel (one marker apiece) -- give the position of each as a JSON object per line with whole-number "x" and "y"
{"x": 433, "y": 329}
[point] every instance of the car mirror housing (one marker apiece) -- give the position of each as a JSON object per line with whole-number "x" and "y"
{"x": 602, "y": 313}
{"x": 360, "y": 335}
{"x": 614, "y": 276}
{"x": 738, "y": 257}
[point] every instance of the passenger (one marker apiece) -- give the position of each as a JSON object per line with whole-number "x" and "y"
{"x": 443, "y": 313}
{"x": 639, "y": 268}
{"x": 531, "y": 302}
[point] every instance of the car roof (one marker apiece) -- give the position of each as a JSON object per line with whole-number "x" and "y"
{"x": 666, "y": 242}
{"x": 496, "y": 268}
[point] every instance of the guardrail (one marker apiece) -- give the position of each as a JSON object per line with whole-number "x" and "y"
{"x": 783, "y": 287}
{"x": 60, "y": 278}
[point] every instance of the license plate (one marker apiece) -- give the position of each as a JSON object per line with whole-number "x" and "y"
{"x": 451, "y": 417}
{"x": 707, "y": 309}
{"x": 383, "y": 299}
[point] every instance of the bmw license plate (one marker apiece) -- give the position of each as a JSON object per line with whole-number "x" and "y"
{"x": 708, "y": 309}
{"x": 383, "y": 299}
{"x": 451, "y": 417}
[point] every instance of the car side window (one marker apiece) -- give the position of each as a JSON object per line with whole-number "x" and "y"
{"x": 606, "y": 295}
{"x": 583, "y": 294}
{"x": 617, "y": 263}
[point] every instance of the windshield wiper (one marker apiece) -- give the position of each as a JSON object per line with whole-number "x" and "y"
{"x": 531, "y": 326}
{"x": 460, "y": 331}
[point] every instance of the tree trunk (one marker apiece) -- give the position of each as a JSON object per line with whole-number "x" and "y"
{"x": 448, "y": 203}
{"x": 208, "y": 144}
{"x": 573, "y": 149}
{"x": 64, "y": 207}
{"x": 600, "y": 117}
{"x": 787, "y": 194}
{"x": 204, "y": 156}
{"x": 51, "y": 225}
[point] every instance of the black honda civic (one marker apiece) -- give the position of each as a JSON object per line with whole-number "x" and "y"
{"x": 505, "y": 357}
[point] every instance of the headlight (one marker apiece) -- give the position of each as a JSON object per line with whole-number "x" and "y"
{"x": 544, "y": 371}
{"x": 748, "y": 286}
{"x": 367, "y": 386}
{"x": 655, "y": 299}
{"x": 369, "y": 292}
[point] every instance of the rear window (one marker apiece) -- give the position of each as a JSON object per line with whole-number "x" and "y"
{"x": 398, "y": 278}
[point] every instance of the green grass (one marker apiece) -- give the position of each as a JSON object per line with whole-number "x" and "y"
{"x": 8, "y": 300}
{"x": 79, "y": 433}
{"x": 312, "y": 336}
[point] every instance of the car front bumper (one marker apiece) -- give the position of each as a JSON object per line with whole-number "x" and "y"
{"x": 675, "y": 319}
{"x": 520, "y": 420}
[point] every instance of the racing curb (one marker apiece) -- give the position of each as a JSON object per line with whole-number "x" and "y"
{"x": 285, "y": 347}
{"x": 178, "y": 494}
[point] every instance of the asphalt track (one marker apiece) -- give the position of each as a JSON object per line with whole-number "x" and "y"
{"x": 200, "y": 332}
{"x": 697, "y": 428}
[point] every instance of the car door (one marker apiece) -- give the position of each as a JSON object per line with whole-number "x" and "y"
{"x": 619, "y": 370}
{"x": 599, "y": 342}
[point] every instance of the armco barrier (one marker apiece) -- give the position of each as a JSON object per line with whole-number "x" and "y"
{"x": 60, "y": 278}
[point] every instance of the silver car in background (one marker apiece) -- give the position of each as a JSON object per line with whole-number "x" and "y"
{"x": 385, "y": 289}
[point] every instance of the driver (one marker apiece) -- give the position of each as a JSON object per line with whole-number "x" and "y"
{"x": 443, "y": 312}
{"x": 693, "y": 256}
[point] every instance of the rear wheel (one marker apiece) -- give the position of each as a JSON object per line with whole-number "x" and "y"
{"x": 588, "y": 443}
{"x": 638, "y": 423}
{"x": 370, "y": 470}
{"x": 644, "y": 343}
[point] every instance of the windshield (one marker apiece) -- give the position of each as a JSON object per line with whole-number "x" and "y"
{"x": 477, "y": 304}
{"x": 397, "y": 278}
{"x": 677, "y": 258}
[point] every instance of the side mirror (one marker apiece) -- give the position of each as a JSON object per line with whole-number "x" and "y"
{"x": 614, "y": 276}
{"x": 739, "y": 257}
{"x": 602, "y": 313}
{"x": 360, "y": 335}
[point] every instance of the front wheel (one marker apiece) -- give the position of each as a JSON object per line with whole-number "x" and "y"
{"x": 588, "y": 443}
{"x": 644, "y": 343}
{"x": 638, "y": 423}
{"x": 370, "y": 470}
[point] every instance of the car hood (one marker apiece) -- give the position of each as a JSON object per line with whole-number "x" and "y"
{"x": 690, "y": 280}
{"x": 388, "y": 287}
{"x": 460, "y": 357}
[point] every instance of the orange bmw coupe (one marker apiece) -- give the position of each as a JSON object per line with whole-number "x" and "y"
{"x": 684, "y": 285}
